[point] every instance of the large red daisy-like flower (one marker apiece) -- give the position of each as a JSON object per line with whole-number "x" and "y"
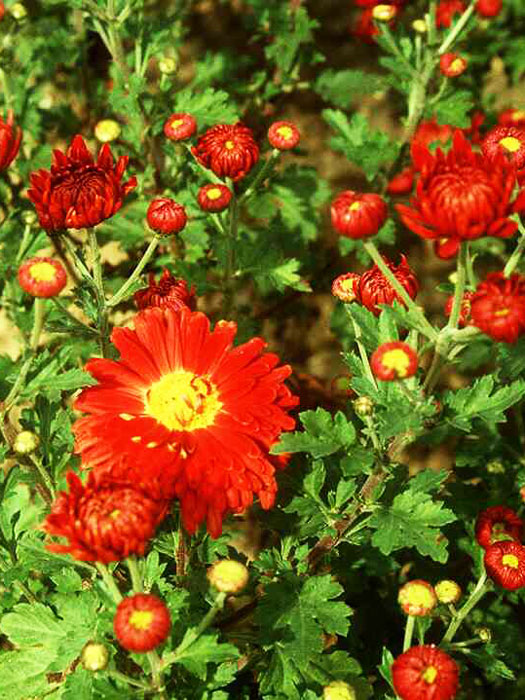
{"x": 425, "y": 673}
{"x": 497, "y": 307}
{"x": 373, "y": 287}
{"x": 142, "y": 622}
{"x": 229, "y": 150}
{"x": 461, "y": 195}
{"x": 78, "y": 192}
{"x": 505, "y": 564}
{"x": 10, "y": 138}
{"x": 498, "y": 523}
{"x": 168, "y": 291}
{"x": 102, "y": 522}
{"x": 184, "y": 414}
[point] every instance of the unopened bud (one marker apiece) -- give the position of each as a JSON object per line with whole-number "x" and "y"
{"x": 448, "y": 592}
{"x": 94, "y": 657}
{"x": 485, "y": 634}
{"x": 339, "y": 690}
{"x": 384, "y": 13}
{"x": 168, "y": 65}
{"x": 18, "y": 11}
{"x": 228, "y": 576}
{"x": 417, "y": 598}
{"x": 420, "y": 26}
{"x": 363, "y": 406}
{"x": 25, "y": 442}
{"x": 29, "y": 217}
{"x": 107, "y": 130}
{"x": 495, "y": 467}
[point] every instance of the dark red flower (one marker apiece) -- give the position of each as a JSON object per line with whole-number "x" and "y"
{"x": 394, "y": 360}
{"x": 498, "y": 523}
{"x": 142, "y": 622}
{"x": 401, "y": 183}
{"x": 103, "y": 522}
{"x": 489, "y": 8}
{"x": 229, "y": 150}
{"x": 10, "y": 138}
{"x": 345, "y": 287}
{"x": 508, "y": 141}
{"x": 505, "y": 564}
{"x": 283, "y": 135}
{"x": 165, "y": 216}
{"x": 464, "y": 312}
{"x": 42, "y": 277}
{"x": 375, "y": 289}
{"x": 77, "y": 192}
{"x": 460, "y": 196}
{"x": 447, "y": 11}
{"x": 512, "y": 117}
{"x": 180, "y": 126}
{"x": 425, "y": 673}
{"x": 497, "y": 307}
{"x": 167, "y": 292}
{"x": 214, "y": 197}
{"x": 452, "y": 65}
{"x": 357, "y": 215}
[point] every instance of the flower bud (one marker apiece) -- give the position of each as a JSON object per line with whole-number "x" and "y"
{"x": 448, "y": 592}
{"x": 29, "y": 217}
{"x": 228, "y": 576}
{"x": 168, "y": 65}
{"x": 417, "y": 598}
{"x": 339, "y": 690}
{"x": 384, "y": 13}
{"x": 26, "y": 442}
{"x": 419, "y": 26}
{"x": 451, "y": 65}
{"x": 495, "y": 467}
{"x": 42, "y": 277}
{"x": 344, "y": 287}
{"x": 166, "y": 217}
{"x": 94, "y": 657}
{"x": 283, "y": 135}
{"x": 107, "y": 130}
{"x": 18, "y": 11}
{"x": 485, "y": 634}
{"x": 363, "y": 406}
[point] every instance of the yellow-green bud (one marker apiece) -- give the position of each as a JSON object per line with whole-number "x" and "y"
{"x": 363, "y": 406}
{"x": 339, "y": 690}
{"x": 448, "y": 591}
{"x": 18, "y": 11}
{"x": 25, "y": 442}
{"x": 495, "y": 467}
{"x": 168, "y": 65}
{"x": 107, "y": 130}
{"x": 384, "y": 13}
{"x": 485, "y": 634}
{"x": 419, "y": 26}
{"x": 228, "y": 576}
{"x": 29, "y": 217}
{"x": 94, "y": 657}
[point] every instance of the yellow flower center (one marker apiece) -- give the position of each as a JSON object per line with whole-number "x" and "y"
{"x": 355, "y": 206}
{"x": 213, "y": 193}
{"x": 457, "y": 65}
{"x": 114, "y": 514}
{"x": 183, "y": 401}
{"x": 419, "y": 596}
{"x": 518, "y": 115}
{"x": 502, "y": 312}
{"x": 176, "y": 123}
{"x": 285, "y": 132}
{"x": 429, "y": 675}
{"x": 141, "y": 619}
{"x": 229, "y": 145}
{"x": 397, "y": 360}
{"x": 510, "y": 560}
{"x": 510, "y": 143}
{"x": 43, "y": 272}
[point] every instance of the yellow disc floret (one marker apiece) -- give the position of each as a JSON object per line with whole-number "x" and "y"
{"x": 213, "y": 193}
{"x": 510, "y": 143}
{"x": 429, "y": 675}
{"x": 42, "y": 272}
{"x": 285, "y": 132}
{"x": 396, "y": 360}
{"x": 141, "y": 619}
{"x": 510, "y": 560}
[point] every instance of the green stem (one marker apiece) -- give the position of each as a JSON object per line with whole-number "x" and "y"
{"x": 479, "y": 591}
{"x": 457, "y": 29}
{"x": 118, "y": 676}
{"x": 44, "y": 475}
{"x": 517, "y": 252}
{"x": 109, "y": 581}
{"x": 394, "y": 49}
{"x": 459, "y": 288}
{"x": 409, "y": 632}
{"x": 73, "y": 319}
{"x": 229, "y": 270}
{"x": 122, "y": 292}
{"x": 407, "y": 393}
{"x": 261, "y": 174}
{"x": 136, "y": 578}
{"x": 8, "y": 98}
{"x": 79, "y": 265}
{"x": 96, "y": 263}
{"x": 209, "y": 173}
{"x": 22, "y": 248}
{"x": 373, "y": 434}
{"x": 362, "y": 352}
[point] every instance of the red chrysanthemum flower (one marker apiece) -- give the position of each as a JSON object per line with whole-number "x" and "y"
{"x": 180, "y": 126}
{"x": 184, "y": 414}
{"x": 142, "y": 622}
{"x": 214, "y": 197}
{"x": 464, "y": 312}
{"x": 497, "y": 307}
{"x": 473, "y": 132}
{"x": 77, "y": 192}
{"x": 498, "y": 523}
{"x": 395, "y": 360}
{"x": 447, "y": 11}
{"x": 357, "y": 215}
{"x": 417, "y": 598}
{"x": 42, "y": 277}
{"x": 283, "y": 135}
{"x": 345, "y": 287}
{"x": 375, "y": 289}
{"x": 505, "y": 564}
{"x": 2, "y": 10}
{"x": 425, "y": 673}
{"x": 508, "y": 141}
{"x": 452, "y": 65}
{"x": 166, "y": 217}
{"x": 512, "y": 117}
{"x": 489, "y": 8}
{"x": 103, "y": 522}
{"x": 229, "y": 150}
{"x": 364, "y": 27}
{"x": 428, "y": 133}
{"x": 401, "y": 183}
{"x": 461, "y": 196}
{"x": 10, "y": 139}
{"x": 169, "y": 292}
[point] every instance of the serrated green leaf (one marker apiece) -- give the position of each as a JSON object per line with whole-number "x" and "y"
{"x": 323, "y": 434}
{"x": 205, "y": 650}
{"x": 480, "y": 401}
{"x": 342, "y": 87}
{"x": 454, "y": 109}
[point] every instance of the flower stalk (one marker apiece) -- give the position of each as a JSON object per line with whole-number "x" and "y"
{"x": 482, "y": 586}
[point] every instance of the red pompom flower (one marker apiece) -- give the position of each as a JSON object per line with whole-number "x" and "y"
{"x": 283, "y": 135}
{"x": 185, "y": 414}
{"x": 214, "y": 197}
{"x": 167, "y": 292}
{"x": 229, "y": 150}
{"x": 512, "y": 117}
{"x": 103, "y": 523}
{"x": 356, "y": 215}
{"x": 10, "y": 139}
{"x": 505, "y": 564}
{"x": 395, "y": 360}
{"x": 180, "y": 126}
{"x": 497, "y": 307}
{"x": 452, "y": 65}
{"x": 425, "y": 673}
{"x": 42, "y": 277}
{"x": 508, "y": 141}
{"x": 142, "y": 622}
{"x": 489, "y": 8}
{"x": 166, "y": 217}
{"x": 375, "y": 289}
{"x": 345, "y": 287}
{"x": 77, "y": 192}
{"x": 498, "y": 523}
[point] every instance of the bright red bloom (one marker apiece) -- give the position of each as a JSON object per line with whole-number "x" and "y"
{"x": 512, "y": 117}
{"x": 497, "y": 307}
{"x": 473, "y": 132}
{"x": 489, "y": 8}
{"x": 401, "y": 183}
{"x": 185, "y": 414}
{"x": 428, "y": 133}
{"x": 214, "y": 197}
{"x": 464, "y": 312}
{"x": 452, "y": 65}
{"x": 103, "y": 522}
{"x": 364, "y": 27}
{"x": 180, "y": 126}
{"x": 345, "y": 287}
{"x": 142, "y": 622}
{"x": 10, "y": 139}
{"x": 357, "y": 215}
{"x": 2, "y": 10}
{"x": 166, "y": 217}
{"x": 417, "y": 598}
{"x": 447, "y": 11}
{"x": 167, "y": 292}
{"x": 283, "y": 135}
{"x": 460, "y": 196}
{"x": 507, "y": 140}
{"x": 77, "y": 192}
{"x": 42, "y": 277}
{"x": 375, "y": 289}
{"x": 505, "y": 564}
{"x": 425, "y": 673}
{"x": 395, "y": 360}
{"x": 229, "y": 150}
{"x": 498, "y": 523}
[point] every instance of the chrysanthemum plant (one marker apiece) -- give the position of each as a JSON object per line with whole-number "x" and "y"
{"x": 166, "y": 529}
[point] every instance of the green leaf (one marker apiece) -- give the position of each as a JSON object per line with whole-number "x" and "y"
{"x": 480, "y": 401}
{"x": 454, "y": 109}
{"x": 204, "y": 650}
{"x": 295, "y": 30}
{"x": 22, "y": 673}
{"x": 323, "y": 434}
{"x": 207, "y": 106}
{"x": 343, "y": 87}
